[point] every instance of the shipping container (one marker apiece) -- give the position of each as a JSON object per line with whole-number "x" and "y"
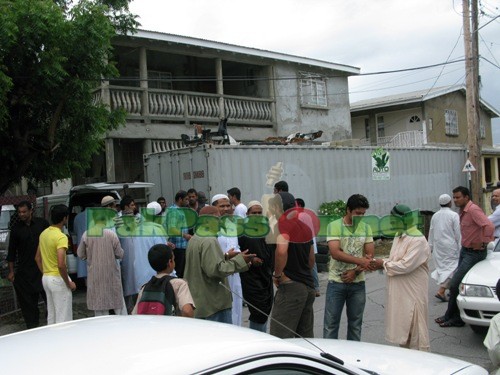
{"x": 317, "y": 174}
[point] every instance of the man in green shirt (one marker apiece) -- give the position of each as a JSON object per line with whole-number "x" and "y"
{"x": 351, "y": 248}
{"x": 207, "y": 268}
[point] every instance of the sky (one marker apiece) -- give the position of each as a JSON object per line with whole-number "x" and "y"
{"x": 375, "y": 36}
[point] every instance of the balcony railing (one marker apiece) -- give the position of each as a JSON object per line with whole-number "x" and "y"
{"x": 409, "y": 139}
{"x": 170, "y": 105}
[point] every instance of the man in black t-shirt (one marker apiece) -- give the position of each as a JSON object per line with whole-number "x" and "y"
{"x": 23, "y": 271}
{"x": 293, "y": 303}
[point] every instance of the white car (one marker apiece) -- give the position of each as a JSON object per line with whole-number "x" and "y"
{"x": 169, "y": 345}
{"x": 478, "y": 302}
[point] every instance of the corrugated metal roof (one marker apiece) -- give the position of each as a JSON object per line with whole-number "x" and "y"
{"x": 209, "y": 44}
{"x": 415, "y": 97}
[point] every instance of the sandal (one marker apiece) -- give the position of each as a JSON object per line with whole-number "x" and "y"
{"x": 451, "y": 323}
{"x": 440, "y": 297}
{"x": 440, "y": 320}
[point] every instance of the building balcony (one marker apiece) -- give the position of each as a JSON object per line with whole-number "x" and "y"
{"x": 168, "y": 106}
{"x": 409, "y": 139}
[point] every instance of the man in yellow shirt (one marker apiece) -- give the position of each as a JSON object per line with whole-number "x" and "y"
{"x": 51, "y": 259}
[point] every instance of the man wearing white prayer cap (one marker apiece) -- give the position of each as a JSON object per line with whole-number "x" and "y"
{"x": 445, "y": 244}
{"x": 229, "y": 246}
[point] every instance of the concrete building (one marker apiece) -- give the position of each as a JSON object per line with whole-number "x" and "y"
{"x": 169, "y": 82}
{"x": 428, "y": 117}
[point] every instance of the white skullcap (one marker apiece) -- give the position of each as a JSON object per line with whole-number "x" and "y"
{"x": 216, "y": 197}
{"x": 444, "y": 199}
{"x": 254, "y": 203}
{"x": 156, "y": 206}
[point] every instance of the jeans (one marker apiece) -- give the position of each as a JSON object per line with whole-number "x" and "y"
{"x": 353, "y": 295}
{"x": 314, "y": 273}
{"x": 262, "y": 327}
{"x": 468, "y": 258}
{"x": 223, "y": 316}
{"x": 59, "y": 300}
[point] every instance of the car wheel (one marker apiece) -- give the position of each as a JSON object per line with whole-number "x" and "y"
{"x": 479, "y": 329}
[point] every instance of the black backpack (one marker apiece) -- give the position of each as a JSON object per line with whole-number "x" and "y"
{"x": 157, "y": 298}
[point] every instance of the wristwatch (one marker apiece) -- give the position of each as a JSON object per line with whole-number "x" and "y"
{"x": 277, "y": 276}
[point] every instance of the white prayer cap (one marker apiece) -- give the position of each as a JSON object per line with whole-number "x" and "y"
{"x": 216, "y": 197}
{"x": 444, "y": 199}
{"x": 156, "y": 206}
{"x": 254, "y": 203}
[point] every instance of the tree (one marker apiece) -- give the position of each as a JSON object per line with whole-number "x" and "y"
{"x": 53, "y": 55}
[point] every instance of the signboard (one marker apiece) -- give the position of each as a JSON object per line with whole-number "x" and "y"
{"x": 381, "y": 165}
{"x": 468, "y": 167}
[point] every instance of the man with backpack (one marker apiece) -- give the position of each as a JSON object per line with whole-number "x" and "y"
{"x": 164, "y": 294}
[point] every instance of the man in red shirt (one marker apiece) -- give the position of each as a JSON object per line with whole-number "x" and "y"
{"x": 477, "y": 232}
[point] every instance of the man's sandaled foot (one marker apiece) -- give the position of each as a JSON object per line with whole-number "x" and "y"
{"x": 451, "y": 323}
{"x": 440, "y": 320}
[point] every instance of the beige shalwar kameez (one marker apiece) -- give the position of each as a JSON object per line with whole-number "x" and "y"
{"x": 104, "y": 283}
{"x": 407, "y": 291}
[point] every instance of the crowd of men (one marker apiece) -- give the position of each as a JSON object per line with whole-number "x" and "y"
{"x": 214, "y": 268}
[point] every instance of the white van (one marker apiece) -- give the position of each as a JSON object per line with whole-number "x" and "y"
{"x": 45, "y": 203}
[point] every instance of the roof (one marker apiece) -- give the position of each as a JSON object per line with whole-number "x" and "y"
{"x": 415, "y": 97}
{"x": 226, "y": 47}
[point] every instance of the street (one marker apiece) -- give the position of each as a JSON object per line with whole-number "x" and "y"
{"x": 460, "y": 343}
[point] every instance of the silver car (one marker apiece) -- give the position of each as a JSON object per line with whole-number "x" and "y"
{"x": 144, "y": 344}
{"x": 478, "y": 302}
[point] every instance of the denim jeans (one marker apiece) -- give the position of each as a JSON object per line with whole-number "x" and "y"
{"x": 223, "y": 316}
{"x": 468, "y": 258}
{"x": 262, "y": 327}
{"x": 353, "y": 295}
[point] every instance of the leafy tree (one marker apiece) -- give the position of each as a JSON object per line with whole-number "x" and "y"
{"x": 53, "y": 54}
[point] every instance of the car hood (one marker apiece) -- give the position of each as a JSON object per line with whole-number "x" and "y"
{"x": 485, "y": 272}
{"x": 384, "y": 359}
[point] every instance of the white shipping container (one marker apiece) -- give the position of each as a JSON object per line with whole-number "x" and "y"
{"x": 316, "y": 174}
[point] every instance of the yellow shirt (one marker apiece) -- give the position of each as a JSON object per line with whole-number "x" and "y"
{"x": 51, "y": 239}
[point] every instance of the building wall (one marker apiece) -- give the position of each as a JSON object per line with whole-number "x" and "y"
{"x": 334, "y": 120}
{"x": 394, "y": 122}
{"x": 435, "y": 111}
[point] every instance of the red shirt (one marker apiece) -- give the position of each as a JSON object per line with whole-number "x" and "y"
{"x": 475, "y": 226}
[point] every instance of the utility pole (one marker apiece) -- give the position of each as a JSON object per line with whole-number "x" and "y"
{"x": 470, "y": 23}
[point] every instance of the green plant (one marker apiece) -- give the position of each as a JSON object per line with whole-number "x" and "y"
{"x": 333, "y": 208}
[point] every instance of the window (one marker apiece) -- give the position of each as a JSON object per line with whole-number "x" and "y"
{"x": 414, "y": 119}
{"x": 487, "y": 170}
{"x": 367, "y": 128}
{"x": 380, "y": 127}
{"x": 451, "y": 122}
{"x": 482, "y": 129}
{"x": 159, "y": 80}
{"x": 312, "y": 90}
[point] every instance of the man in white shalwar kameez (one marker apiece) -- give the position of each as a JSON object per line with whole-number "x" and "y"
{"x": 445, "y": 243}
{"x": 229, "y": 243}
{"x": 407, "y": 273}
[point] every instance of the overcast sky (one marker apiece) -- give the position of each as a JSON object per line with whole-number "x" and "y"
{"x": 381, "y": 35}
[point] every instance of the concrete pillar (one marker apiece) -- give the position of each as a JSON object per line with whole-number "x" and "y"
{"x": 272, "y": 95}
{"x": 110, "y": 160}
{"x": 220, "y": 86}
{"x": 143, "y": 75}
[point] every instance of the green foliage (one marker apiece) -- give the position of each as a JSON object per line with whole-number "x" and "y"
{"x": 52, "y": 57}
{"x": 334, "y": 208}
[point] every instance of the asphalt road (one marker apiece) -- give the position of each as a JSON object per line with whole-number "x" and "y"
{"x": 460, "y": 343}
